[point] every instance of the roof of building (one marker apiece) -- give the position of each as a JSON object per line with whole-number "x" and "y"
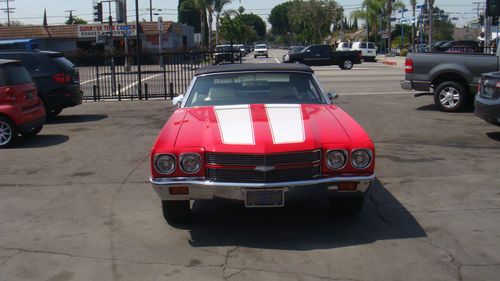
{"x": 69, "y": 31}
{"x": 285, "y": 67}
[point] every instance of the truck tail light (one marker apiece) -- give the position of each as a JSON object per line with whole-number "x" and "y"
{"x": 408, "y": 65}
{"x": 497, "y": 85}
{"x": 62, "y": 78}
{"x": 479, "y": 86}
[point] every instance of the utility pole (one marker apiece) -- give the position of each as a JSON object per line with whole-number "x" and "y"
{"x": 150, "y": 10}
{"x": 70, "y": 17}
{"x": 8, "y": 10}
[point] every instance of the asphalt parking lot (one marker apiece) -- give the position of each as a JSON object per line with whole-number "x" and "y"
{"x": 76, "y": 204}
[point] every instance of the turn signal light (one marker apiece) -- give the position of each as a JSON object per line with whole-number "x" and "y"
{"x": 178, "y": 190}
{"x": 348, "y": 186}
{"x": 408, "y": 65}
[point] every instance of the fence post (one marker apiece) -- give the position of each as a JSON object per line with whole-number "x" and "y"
{"x": 119, "y": 92}
{"x": 171, "y": 86}
{"x": 94, "y": 92}
{"x": 146, "y": 91}
{"x": 97, "y": 81}
{"x": 164, "y": 76}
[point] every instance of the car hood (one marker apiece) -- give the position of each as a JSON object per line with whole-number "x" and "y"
{"x": 259, "y": 128}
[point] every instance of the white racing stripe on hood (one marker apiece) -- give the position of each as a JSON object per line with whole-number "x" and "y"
{"x": 286, "y": 122}
{"x": 235, "y": 124}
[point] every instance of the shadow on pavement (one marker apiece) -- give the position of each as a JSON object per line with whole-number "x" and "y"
{"x": 62, "y": 119}
{"x": 40, "y": 141}
{"x": 433, "y": 107}
{"x": 494, "y": 136}
{"x": 300, "y": 226}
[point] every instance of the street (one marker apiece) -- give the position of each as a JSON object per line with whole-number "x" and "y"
{"x": 76, "y": 203}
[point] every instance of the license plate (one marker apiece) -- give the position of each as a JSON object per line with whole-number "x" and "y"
{"x": 264, "y": 198}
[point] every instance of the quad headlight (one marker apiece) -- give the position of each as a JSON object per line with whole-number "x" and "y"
{"x": 165, "y": 163}
{"x": 336, "y": 159}
{"x": 361, "y": 158}
{"x": 190, "y": 163}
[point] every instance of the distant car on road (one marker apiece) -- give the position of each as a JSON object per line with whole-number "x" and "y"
{"x": 487, "y": 105}
{"x": 368, "y": 50}
{"x": 262, "y": 134}
{"x": 323, "y": 55}
{"x": 224, "y": 53}
{"x": 260, "y": 50}
{"x": 56, "y": 78}
{"x": 344, "y": 46}
{"x": 21, "y": 111}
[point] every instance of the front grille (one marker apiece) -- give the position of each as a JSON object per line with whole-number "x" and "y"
{"x": 253, "y": 176}
{"x": 302, "y": 157}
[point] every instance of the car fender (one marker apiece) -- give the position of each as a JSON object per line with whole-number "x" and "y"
{"x": 451, "y": 68}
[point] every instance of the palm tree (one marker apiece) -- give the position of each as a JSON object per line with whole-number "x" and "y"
{"x": 218, "y": 6}
{"x": 369, "y": 12}
{"x": 390, "y": 5}
{"x": 210, "y": 6}
{"x": 413, "y": 6}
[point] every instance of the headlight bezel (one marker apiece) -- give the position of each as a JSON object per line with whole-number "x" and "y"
{"x": 157, "y": 158}
{"x": 344, "y": 152}
{"x": 183, "y": 156}
{"x": 370, "y": 158}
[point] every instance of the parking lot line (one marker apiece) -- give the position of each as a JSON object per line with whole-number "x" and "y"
{"x": 88, "y": 81}
{"x": 137, "y": 82}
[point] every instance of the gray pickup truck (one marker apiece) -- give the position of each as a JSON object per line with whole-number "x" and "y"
{"x": 452, "y": 77}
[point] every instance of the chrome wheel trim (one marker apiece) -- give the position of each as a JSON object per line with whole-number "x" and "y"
{"x": 449, "y": 97}
{"x": 5, "y": 133}
{"x": 347, "y": 64}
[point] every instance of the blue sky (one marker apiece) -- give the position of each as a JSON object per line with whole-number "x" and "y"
{"x": 31, "y": 11}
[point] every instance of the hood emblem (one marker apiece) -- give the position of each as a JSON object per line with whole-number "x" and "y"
{"x": 264, "y": 168}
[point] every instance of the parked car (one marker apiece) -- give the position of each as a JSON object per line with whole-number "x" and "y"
{"x": 260, "y": 50}
{"x": 323, "y": 55}
{"x": 368, "y": 50}
{"x": 436, "y": 46}
{"x": 452, "y": 77}
{"x": 242, "y": 49}
{"x": 344, "y": 46}
{"x": 224, "y": 53}
{"x": 56, "y": 78}
{"x": 21, "y": 110}
{"x": 470, "y": 44}
{"x": 487, "y": 105}
{"x": 263, "y": 134}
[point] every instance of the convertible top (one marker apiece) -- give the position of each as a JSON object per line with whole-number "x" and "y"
{"x": 282, "y": 67}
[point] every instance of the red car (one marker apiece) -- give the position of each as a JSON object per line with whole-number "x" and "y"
{"x": 21, "y": 111}
{"x": 263, "y": 134}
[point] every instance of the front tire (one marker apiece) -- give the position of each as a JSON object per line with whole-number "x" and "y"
{"x": 8, "y": 132}
{"x": 450, "y": 96}
{"x": 35, "y": 131}
{"x": 347, "y": 206}
{"x": 175, "y": 211}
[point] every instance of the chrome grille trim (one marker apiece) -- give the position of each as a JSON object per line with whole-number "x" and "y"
{"x": 300, "y": 157}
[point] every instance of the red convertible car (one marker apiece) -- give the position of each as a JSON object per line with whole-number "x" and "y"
{"x": 263, "y": 134}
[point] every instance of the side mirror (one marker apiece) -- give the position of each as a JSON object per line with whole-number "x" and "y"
{"x": 332, "y": 96}
{"x": 177, "y": 101}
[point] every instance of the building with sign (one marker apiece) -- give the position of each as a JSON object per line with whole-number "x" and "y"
{"x": 71, "y": 38}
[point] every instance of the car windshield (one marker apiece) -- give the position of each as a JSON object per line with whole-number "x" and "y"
{"x": 296, "y": 49}
{"x": 223, "y": 48}
{"x": 261, "y": 46}
{"x": 255, "y": 88}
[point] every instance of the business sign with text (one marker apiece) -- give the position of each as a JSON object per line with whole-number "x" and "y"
{"x": 93, "y": 30}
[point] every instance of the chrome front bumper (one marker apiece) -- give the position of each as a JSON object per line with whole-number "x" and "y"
{"x": 199, "y": 188}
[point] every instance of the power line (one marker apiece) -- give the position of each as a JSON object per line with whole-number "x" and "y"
{"x": 8, "y": 10}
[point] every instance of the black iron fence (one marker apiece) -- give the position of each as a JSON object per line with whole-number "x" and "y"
{"x": 118, "y": 76}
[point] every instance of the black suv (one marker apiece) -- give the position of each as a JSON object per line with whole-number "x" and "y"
{"x": 56, "y": 78}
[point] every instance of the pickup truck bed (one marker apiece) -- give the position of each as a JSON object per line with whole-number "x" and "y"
{"x": 452, "y": 77}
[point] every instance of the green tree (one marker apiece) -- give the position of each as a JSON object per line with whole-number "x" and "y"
{"x": 389, "y": 6}
{"x": 232, "y": 29}
{"x": 254, "y": 22}
{"x": 442, "y": 26}
{"x": 278, "y": 18}
{"x": 218, "y": 6}
{"x": 187, "y": 14}
{"x": 311, "y": 20}
{"x": 75, "y": 20}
